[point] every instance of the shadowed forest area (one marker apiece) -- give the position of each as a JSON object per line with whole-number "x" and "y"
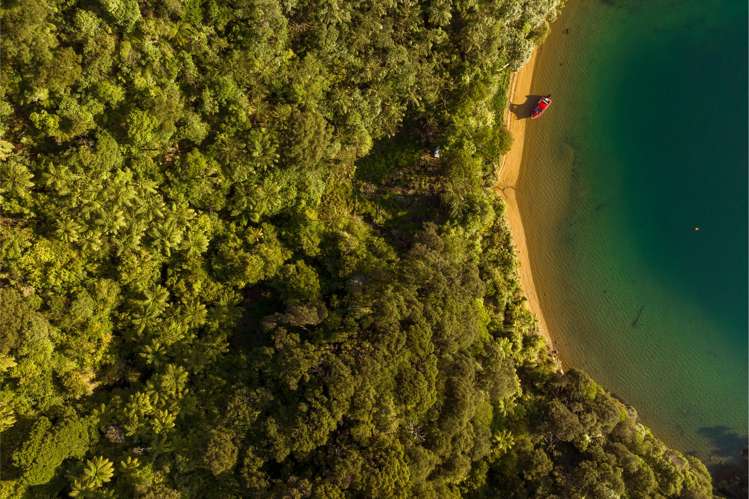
{"x": 232, "y": 266}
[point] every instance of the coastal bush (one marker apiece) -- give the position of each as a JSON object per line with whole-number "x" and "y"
{"x": 252, "y": 249}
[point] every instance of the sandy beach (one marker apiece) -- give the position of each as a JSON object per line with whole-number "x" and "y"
{"x": 509, "y": 175}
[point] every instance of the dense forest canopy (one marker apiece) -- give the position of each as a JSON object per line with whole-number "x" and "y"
{"x": 232, "y": 266}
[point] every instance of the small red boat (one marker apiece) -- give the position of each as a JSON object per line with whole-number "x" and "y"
{"x": 542, "y": 105}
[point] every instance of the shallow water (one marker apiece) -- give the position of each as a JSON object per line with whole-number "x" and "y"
{"x": 634, "y": 198}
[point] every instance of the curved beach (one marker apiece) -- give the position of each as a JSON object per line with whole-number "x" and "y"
{"x": 509, "y": 175}
{"x": 602, "y": 214}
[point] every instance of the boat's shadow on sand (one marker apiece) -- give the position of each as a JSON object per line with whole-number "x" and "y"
{"x": 524, "y": 110}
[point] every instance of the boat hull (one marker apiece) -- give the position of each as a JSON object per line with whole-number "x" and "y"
{"x": 541, "y": 106}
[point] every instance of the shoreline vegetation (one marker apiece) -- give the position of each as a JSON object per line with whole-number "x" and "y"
{"x": 233, "y": 265}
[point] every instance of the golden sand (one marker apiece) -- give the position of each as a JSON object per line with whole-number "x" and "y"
{"x": 509, "y": 174}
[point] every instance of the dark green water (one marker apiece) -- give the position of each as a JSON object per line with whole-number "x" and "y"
{"x": 647, "y": 142}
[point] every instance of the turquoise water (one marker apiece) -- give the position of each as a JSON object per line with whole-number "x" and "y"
{"x": 641, "y": 261}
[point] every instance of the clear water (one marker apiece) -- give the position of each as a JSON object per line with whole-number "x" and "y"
{"x": 635, "y": 194}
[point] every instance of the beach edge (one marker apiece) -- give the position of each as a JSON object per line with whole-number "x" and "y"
{"x": 507, "y": 181}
